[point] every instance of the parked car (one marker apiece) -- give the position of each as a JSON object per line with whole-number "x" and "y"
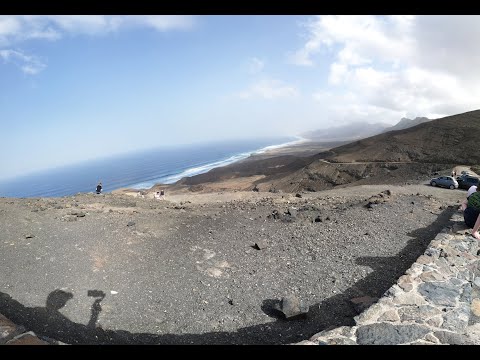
{"x": 445, "y": 181}
{"x": 465, "y": 181}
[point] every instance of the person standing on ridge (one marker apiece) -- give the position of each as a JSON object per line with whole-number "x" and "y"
{"x": 99, "y": 188}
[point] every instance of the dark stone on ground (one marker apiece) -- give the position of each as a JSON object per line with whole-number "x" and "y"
{"x": 292, "y": 212}
{"x": 292, "y": 308}
{"x": 260, "y": 244}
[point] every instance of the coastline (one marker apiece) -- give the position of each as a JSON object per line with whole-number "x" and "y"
{"x": 138, "y": 170}
{"x": 299, "y": 147}
{"x": 244, "y": 168}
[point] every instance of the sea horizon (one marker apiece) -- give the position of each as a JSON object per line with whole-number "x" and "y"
{"x": 138, "y": 170}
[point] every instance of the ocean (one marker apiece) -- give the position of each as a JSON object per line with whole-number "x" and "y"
{"x": 138, "y": 170}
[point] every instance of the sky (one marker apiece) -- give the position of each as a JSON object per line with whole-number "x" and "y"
{"x": 75, "y": 88}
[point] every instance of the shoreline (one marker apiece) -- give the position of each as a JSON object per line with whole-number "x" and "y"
{"x": 244, "y": 171}
{"x": 300, "y": 147}
{"x": 120, "y": 177}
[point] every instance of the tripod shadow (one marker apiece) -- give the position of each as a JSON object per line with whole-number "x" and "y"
{"x": 50, "y": 322}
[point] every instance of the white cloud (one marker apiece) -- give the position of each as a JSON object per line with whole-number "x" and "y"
{"x": 167, "y": 22}
{"x": 269, "y": 89}
{"x": 77, "y": 24}
{"x": 255, "y": 65}
{"x": 8, "y": 26}
{"x": 362, "y": 38}
{"x": 29, "y": 64}
{"x": 380, "y": 96}
{"x": 338, "y": 72}
{"x": 396, "y": 65}
{"x": 19, "y": 28}
{"x": 16, "y": 29}
{"x": 97, "y": 24}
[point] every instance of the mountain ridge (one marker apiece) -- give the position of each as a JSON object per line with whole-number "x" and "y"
{"x": 358, "y": 130}
{"x": 405, "y": 123}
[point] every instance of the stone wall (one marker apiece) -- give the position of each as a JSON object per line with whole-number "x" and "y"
{"x": 437, "y": 300}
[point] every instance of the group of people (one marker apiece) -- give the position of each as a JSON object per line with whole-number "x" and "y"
{"x": 159, "y": 195}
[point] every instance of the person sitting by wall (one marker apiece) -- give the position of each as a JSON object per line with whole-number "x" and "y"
{"x": 470, "y": 191}
{"x": 470, "y": 215}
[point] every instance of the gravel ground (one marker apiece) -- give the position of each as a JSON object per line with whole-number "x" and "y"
{"x": 185, "y": 270}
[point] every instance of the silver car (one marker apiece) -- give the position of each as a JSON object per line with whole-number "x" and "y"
{"x": 445, "y": 181}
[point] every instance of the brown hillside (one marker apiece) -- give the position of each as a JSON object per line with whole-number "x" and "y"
{"x": 319, "y": 175}
{"x": 396, "y": 157}
{"x": 453, "y": 139}
{"x": 268, "y": 167}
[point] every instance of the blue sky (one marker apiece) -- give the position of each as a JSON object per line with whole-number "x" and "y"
{"x": 74, "y": 88}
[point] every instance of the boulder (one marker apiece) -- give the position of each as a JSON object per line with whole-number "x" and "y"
{"x": 260, "y": 244}
{"x": 291, "y": 307}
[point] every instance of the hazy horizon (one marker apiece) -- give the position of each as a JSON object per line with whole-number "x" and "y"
{"x": 135, "y": 153}
{"x": 74, "y": 88}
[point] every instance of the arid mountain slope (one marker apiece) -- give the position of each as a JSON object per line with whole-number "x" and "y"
{"x": 268, "y": 167}
{"x": 405, "y": 123}
{"x": 396, "y": 157}
{"x": 351, "y": 131}
{"x": 452, "y": 139}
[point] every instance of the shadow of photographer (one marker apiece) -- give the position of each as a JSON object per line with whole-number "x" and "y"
{"x": 50, "y": 322}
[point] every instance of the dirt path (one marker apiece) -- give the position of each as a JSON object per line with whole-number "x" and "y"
{"x": 458, "y": 170}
